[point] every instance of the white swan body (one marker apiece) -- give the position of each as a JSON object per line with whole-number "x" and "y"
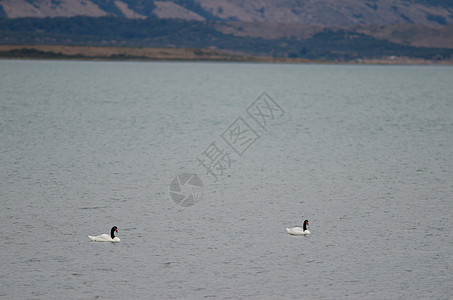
{"x": 299, "y": 230}
{"x": 106, "y": 237}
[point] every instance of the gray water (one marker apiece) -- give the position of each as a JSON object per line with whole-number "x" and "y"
{"x": 365, "y": 153}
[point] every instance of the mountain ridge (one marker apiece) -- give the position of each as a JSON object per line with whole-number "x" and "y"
{"x": 308, "y": 12}
{"x": 308, "y": 29}
{"x": 322, "y": 43}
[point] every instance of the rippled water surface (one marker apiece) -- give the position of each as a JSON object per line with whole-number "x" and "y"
{"x": 365, "y": 153}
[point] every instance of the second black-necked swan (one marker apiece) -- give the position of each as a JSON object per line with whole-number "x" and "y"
{"x": 298, "y": 230}
{"x": 106, "y": 237}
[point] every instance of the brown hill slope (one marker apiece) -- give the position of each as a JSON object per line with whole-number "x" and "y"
{"x": 406, "y": 34}
{"x": 331, "y": 12}
{"x": 309, "y": 12}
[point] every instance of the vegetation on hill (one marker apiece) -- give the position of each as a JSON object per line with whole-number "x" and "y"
{"x": 2, "y": 12}
{"x": 442, "y": 3}
{"x": 331, "y": 44}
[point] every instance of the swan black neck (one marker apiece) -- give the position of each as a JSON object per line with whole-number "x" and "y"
{"x": 112, "y": 232}
{"x": 305, "y": 224}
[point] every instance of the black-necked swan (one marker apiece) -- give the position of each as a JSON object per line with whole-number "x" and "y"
{"x": 105, "y": 237}
{"x": 298, "y": 230}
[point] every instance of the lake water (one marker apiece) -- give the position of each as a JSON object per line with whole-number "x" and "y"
{"x": 364, "y": 152}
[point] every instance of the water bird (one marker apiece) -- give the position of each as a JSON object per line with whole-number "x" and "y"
{"x": 106, "y": 237}
{"x": 298, "y": 230}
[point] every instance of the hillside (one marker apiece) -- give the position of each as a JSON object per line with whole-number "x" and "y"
{"x": 406, "y": 34}
{"x": 321, "y": 43}
{"x": 308, "y": 12}
{"x": 304, "y": 29}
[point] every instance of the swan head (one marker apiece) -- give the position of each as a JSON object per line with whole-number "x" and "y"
{"x": 112, "y": 232}
{"x": 305, "y": 224}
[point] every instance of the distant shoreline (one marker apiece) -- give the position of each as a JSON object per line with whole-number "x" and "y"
{"x": 130, "y": 54}
{"x": 109, "y": 53}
